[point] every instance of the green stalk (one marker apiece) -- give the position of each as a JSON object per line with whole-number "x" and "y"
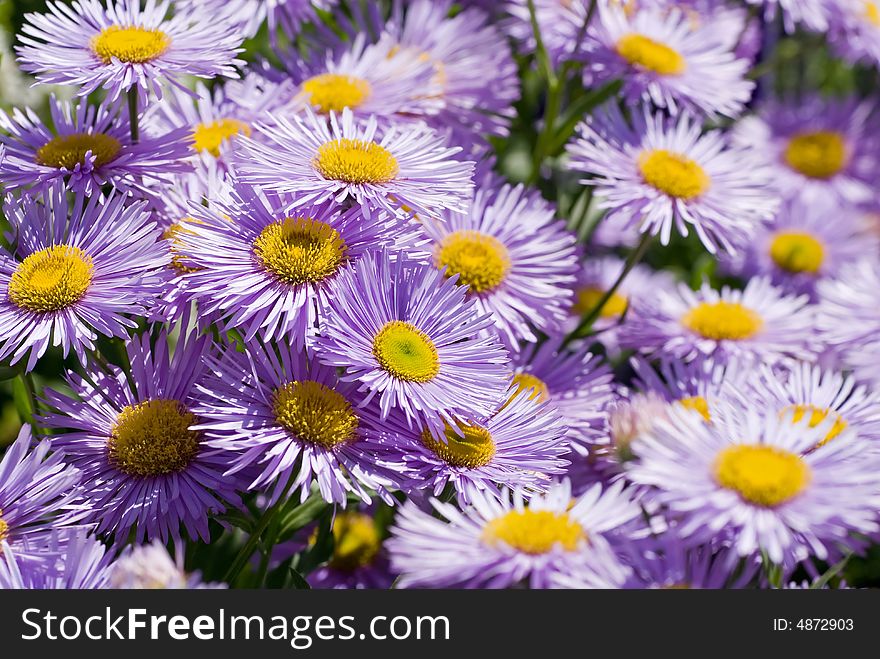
{"x": 590, "y": 317}
{"x": 133, "y": 114}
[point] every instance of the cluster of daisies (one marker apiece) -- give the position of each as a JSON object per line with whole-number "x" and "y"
{"x": 319, "y": 331}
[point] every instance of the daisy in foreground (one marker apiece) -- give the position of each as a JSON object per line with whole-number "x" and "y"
{"x": 407, "y": 334}
{"x": 520, "y": 446}
{"x": 87, "y": 147}
{"x": 123, "y": 46}
{"x": 665, "y": 59}
{"x": 35, "y": 495}
{"x": 404, "y": 169}
{"x": 76, "y": 272}
{"x": 517, "y": 261}
{"x": 774, "y": 485}
{"x": 266, "y": 271}
{"x": 131, "y": 434}
{"x": 72, "y": 560}
{"x": 661, "y": 175}
{"x": 285, "y": 421}
{"x": 499, "y": 543}
{"x": 820, "y": 150}
{"x": 757, "y": 324}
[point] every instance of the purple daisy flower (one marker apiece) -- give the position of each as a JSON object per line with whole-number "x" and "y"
{"x": 807, "y": 391}
{"x": 575, "y": 383}
{"x": 471, "y": 61}
{"x": 87, "y": 148}
{"x": 408, "y": 335}
{"x": 560, "y": 23}
{"x": 290, "y": 421}
{"x": 501, "y": 543}
{"x": 122, "y": 46}
{"x": 515, "y": 259}
{"x": 763, "y": 478}
{"x": 76, "y": 272}
{"x": 596, "y": 276}
{"x": 665, "y": 59}
{"x": 151, "y": 567}
{"x": 74, "y": 561}
{"x": 661, "y": 175}
{"x": 669, "y": 563}
{"x": 848, "y": 316}
{"x": 36, "y": 495}
{"x": 267, "y": 271}
{"x": 367, "y": 78}
{"x": 757, "y": 324}
{"x": 820, "y": 150}
{"x": 359, "y": 559}
{"x": 801, "y": 247}
{"x": 404, "y": 168}
{"x": 519, "y": 446}
{"x": 249, "y": 15}
{"x": 812, "y": 14}
{"x": 131, "y": 434}
{"x": 855, "y": 30}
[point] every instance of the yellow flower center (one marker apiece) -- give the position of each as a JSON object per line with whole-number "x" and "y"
{"x": 132, "y": 45}
{"x": 51, "y": 279}
{"x": 797, "y": 251}
{"x": 645, "y": 53}
{"x": 153, "y": 438}
{"x": 300, "y": 250}
{"x": 68, "y": 151}
{"x": 4, "y": 529}
{"x": 588, "y": 297}
{"x": 534, "y": 531}
{"x": 467, "y": 446}
{"x": 763, "y": 475}
{"x": 872, "y": 13}
{"x": 673, "y": 174}
{"x": 723, "y": 321}
{"x": 209, "y": 137}
{"x": 821, "y": 154}
{"x": 179, "y": 262}
{"x": 817, "y": 416}
{"x": 480, "y": 261}
{"x": 697, "y": 404}
{"x": 314, "y": 413}
{"x": 406, "y": 352}
{"x": 528, "y": 384}
{"x": 355, "y": 161}
{"x": 356, "y": 541}
{"x": 333, "y": 92}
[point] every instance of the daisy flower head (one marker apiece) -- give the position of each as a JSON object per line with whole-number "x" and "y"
{"x": 73, "y": 561}
{"x": 521, "y": 445}
{"x": 76, "y": 272}
{"x": 395, "y": 168}
{"x": 855, "y": 30}
{"x": 36, "y": 496}
{"x": 669, "y": 563}
{"x": 819, "y": 150}
{"x": 768, "y": 482}
{"x": 500, "y": 543}
{"x": 286, "y": 421}
{"x": 471, "y": 63}
{"x": 151, "y": 567}
{"x": 574, "y": 382}
{"x": 811, "y": 14}
{"x": 516, "y": 260}
{"x": 367, "y": 78}
{"x": 122, "y": 46}
{"x": 807, "y": 391}
{"x": 664, "y": 174}
{"x": 249, "y": 15}
{"x": 267, "y": 271}
{"x": 561, "y": 22}
{"x": 848, "y": 316}
{"x": 408, "y": 335}
{"x": 596, "y": 276}
{"x": 804, "y": 244}
{"x": 758, "y": 323}
{"x": 665, "y": 59}
{"x": 212, "y": 120}
{"x": 146, "y": 470}
{"x": 86, "y": 148}
{"x": 359, "y": 559}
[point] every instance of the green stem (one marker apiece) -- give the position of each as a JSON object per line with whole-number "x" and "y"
{"x": 540, "y": 49}
{"x": 590, "y": 317}
{"x": 248, "y": 549}
{"x": 554, "y": 101}
{"x": 133, "y": 114}
{"x": 578, "y": 109}
{"x": 31, "y": 389}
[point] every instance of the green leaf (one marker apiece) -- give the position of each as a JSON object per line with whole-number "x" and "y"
{"x": 301, "y": 515}
{"x": 22, "y": 399}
